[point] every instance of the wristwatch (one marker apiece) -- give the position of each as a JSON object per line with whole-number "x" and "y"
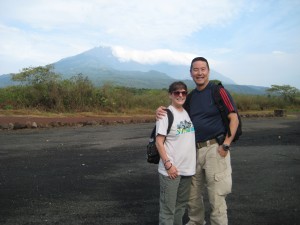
{"x": 226, "y": 147}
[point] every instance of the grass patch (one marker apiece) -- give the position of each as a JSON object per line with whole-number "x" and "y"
{"x": 38, "y": 113}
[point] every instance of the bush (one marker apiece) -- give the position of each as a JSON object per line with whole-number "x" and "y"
{"x": 78, "y": 94}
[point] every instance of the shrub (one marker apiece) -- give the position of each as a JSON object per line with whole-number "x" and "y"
{"x": 78, "y": 94}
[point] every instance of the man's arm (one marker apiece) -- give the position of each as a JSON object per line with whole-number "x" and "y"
{"x": 160, "y": 112}
{"x": 232, "y": 115}
{"x": 233, "y": 125}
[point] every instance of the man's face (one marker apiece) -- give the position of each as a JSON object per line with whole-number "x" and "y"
{"x": 200, "y": 73}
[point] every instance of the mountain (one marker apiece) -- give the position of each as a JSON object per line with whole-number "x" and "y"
{"x": 246, "y": 89}
{"x": 5, "y": 80}
{"x": 100, "y": 62}
{"x": 101, "y": 66}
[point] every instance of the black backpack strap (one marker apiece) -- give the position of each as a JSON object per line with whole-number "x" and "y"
{"x": 170, "y": 119}
{"x": 187, "y": 103}
{"x": 221, "y": 105}
{"x": 152, "y": 136}
{"x": 170, "y": 122}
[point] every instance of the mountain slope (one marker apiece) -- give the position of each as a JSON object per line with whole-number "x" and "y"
{"x": 99, "y": 61}
{"x": 101, "y": 66}
{"x": 5, "y": 80}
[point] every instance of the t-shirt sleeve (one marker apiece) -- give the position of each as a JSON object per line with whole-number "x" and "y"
{"x": 227, "y": 99}
{"x": 162, "y": 126}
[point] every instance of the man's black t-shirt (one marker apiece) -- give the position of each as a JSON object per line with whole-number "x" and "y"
{"x": 205, "y": 115}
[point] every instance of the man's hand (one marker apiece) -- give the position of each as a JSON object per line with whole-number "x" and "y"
{"x": 222, "y": 152}
{"x": 160, "y": 112}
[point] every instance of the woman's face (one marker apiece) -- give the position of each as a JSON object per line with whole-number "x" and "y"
{"x": 178, "y": 97}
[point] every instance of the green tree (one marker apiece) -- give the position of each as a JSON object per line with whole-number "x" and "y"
{"x": 42, "y": 86}
{"x": 288, "y": 92}
{"x": 36, "y": 75}
{"x": 215, "y": 81}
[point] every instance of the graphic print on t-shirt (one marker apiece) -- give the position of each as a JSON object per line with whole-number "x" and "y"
{"x": 185, "y": 127}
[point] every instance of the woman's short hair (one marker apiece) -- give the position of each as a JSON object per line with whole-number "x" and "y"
{"x": 176, "y": 86}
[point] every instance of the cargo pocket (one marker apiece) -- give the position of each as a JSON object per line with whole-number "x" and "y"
{"x": 223, "y": 182}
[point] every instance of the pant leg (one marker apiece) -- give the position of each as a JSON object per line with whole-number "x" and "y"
{"x": 168, "y": 198}
{"x": 182, "y": 198}
{"x": 196, "y": 210}
{"x": 219, "y": 183}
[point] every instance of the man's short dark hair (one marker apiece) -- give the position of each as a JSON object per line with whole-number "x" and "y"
{"x": 199, "y": 59}
{"x": 177, "y": 85}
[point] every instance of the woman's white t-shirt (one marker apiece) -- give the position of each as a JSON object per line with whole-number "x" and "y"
{"x": 180, "y": 143}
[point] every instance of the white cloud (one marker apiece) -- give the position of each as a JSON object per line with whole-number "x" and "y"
{"x": 153, "y": 56}
{"x": 18, "y": 45}
{"x": 22, "y": 48}
{"x": 45, "y": 31}
{"x": 277, "y": 52}
{"x": 238, "y": 38}
{"x": 132, "y": 21}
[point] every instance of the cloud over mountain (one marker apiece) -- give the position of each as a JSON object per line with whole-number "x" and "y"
{"x": 116, "y": 66}
{"x": 95, "y": 61}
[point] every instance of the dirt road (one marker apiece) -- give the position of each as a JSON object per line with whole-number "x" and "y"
{"x": 98, "y": 175}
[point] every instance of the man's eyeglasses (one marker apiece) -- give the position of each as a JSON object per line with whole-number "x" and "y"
{"x": 177, "y": 93}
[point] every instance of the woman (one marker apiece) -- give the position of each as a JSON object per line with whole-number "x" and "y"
{"x": 177, "y": 158}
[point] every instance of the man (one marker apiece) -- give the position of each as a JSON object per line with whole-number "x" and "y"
{"x": 213, "y": 167}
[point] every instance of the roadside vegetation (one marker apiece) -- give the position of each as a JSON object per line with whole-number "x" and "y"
{"x": 41, "y": 90}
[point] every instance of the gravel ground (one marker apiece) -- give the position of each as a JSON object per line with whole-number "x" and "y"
{"x": 99, "y": 175}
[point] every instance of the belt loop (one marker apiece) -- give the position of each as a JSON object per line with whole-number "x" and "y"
{"x": 207, "y": 143}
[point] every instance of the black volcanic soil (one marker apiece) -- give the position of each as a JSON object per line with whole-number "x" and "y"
{"x": 99, "y": 175}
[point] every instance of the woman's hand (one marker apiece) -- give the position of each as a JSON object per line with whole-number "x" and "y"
{"x": 172, "y": 171}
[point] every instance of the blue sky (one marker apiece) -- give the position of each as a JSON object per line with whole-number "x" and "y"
{"x": 252, "y": 42}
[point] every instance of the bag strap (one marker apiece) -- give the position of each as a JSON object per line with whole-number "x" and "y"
{"x": 187, "y": 102}
{"x": 170, "y": 122}
{"x": 221, "y": 105}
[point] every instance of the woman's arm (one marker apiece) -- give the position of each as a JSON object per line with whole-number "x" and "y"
{"x": 170, "y": 168}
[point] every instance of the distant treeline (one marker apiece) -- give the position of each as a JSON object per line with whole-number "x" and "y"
{"x": 45, "y": 91}
{"x": 80, "y": 95}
